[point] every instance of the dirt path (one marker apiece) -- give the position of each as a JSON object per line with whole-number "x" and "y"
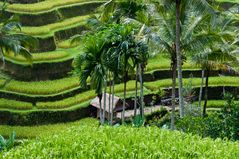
{"x": 147, "y": 110}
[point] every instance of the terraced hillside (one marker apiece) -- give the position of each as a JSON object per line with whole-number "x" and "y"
{"x": 45, "y": 91}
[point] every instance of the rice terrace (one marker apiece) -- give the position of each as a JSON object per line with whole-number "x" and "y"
{"x": 119, "y": 79}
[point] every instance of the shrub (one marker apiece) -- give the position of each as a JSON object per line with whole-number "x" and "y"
{"x": 223, "y": 124}
{"x": 205, "y": 127}
{"x": 230, "y": 118}
{"x": 157, "y": 118}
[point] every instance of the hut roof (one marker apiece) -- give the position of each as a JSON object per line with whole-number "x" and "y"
{"x": 95, "y": 102}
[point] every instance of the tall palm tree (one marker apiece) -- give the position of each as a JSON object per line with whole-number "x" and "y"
{"x": 181, "y": 8}
{"x": 164, "y": 29}
{"x": 220, "y": 51}
{"x": 91, "y": 64}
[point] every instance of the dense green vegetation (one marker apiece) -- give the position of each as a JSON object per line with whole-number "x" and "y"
{"x": 89, "y": 141}
{"x": 120, "y": 50}
{"x": 31, "y": 132}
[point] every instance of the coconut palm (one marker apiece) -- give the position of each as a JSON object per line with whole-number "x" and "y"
{"x": 220, "y": 53}
{"x": 91, "y": 64}
{"x": 165, "y": 26}
{"x": 181, "y": 8}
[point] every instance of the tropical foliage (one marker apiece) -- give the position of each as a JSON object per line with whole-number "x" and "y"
{"x": 147, "y": 142}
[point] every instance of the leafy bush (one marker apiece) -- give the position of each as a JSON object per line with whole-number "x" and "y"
{"x": 223, "y": 124}
{"x": 92, "y": 141}
{"x": 208, "y": 126}
{"x": 157, "y": 118}
{"x": 7, "y": 144}
{"x": 230, "y": 119}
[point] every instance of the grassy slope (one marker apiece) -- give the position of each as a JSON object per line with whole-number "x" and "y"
{"x": 88, "y": 140}
{"x": 45, "y": 6}
{"x": 231, "y": 1}
{"x": 213, "y": 81}
{"x": 61, "y": 85}
{"x": 40, "y": 130}
{"x": 70, "y": 102}
{"x": 48, "y": 30}
{"x": 59, "y": 55}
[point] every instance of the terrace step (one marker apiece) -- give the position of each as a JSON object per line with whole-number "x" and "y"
{"x": 46, "y": 6}
{"x": 23, "y": 1}
{"x": 58, "y": 15}
{"x": 60, "y": 89}
{"x": 43, "y": 70}
{"x": 49, "y": 29}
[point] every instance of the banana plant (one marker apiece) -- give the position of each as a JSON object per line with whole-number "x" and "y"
{"x": 7, "y": 144}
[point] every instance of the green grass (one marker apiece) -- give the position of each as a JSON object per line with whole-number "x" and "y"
{"x": 39, "y": 57}
{"x": 231, "y": 1}
{"x": 48, "y": 30}
{"x": 68, "y": 44}
{"x": 161, "y": 62}
{"x": 83, "y": 97}
{"x": 12, "y": 104}
{"x": 88, "y": 140}
{"x": 213, "y": 103}
{"x": 60, "y": 55}
{"x": 61, "y": 85}
{"x": 68, "y": 102}
{"x": 213, "y": 81}
{"x": 30, "y": 132}
{"x": 42, "y": 87}
{"x": 45, "y": 6}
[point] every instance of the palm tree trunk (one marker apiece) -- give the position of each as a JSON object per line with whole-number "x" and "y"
{"x": 200, "y": 92}
{"x": 112, "y": 104}
{"x": 136, "y": 90}
{"x": 179, "y": 60}
{"x": 174, "y": 74}
{"x": 100, "y": 99}
{"x": 109, "y": 97}
{"x": 206, "y": 93}
{"x": 104, "y": 103}
{"x": 141, "y": 73}
{"x": 124, "y": 101}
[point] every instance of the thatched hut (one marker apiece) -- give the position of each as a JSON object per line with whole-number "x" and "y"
{"x": 117, "y": 107}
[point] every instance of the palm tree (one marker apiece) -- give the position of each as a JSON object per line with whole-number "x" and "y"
{"x": 12, "y": 42}
{"x": 91, "y": 64}
{"x": 219, "y": 52}
{"x": 179, "y": 58}
{"x": 164, "y": 29}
